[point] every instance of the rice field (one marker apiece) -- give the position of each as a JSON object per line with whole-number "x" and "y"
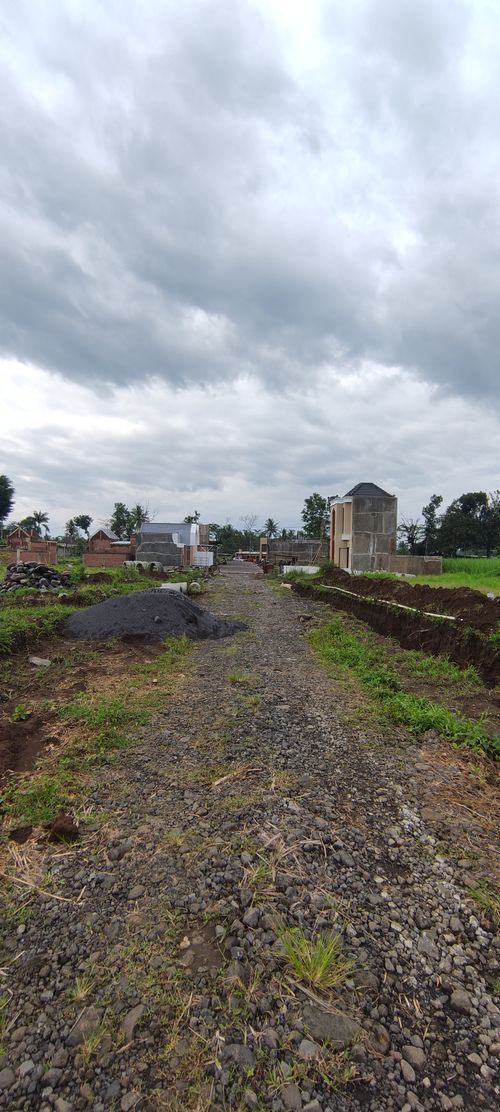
{"x": 480, "y": 575}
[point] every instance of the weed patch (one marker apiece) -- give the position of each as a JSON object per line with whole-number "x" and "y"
{"x": 358, "y": 654}
{"x": 488, "y": 899}
{"x": 318, "y": 961}
{"x": 19, "y": 626}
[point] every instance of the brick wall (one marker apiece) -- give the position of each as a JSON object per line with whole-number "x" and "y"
{"x": 104, "y": 559}
{"x": 45, "y": 553}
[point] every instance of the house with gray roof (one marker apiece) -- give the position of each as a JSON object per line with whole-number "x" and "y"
{"x": 363, "y": 529}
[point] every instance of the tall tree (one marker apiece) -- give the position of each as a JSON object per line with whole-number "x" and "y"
{"x": 430, "y": 528}
{"x": 315, "y": 516}
{"x": 27, "y": 522}
{"x": 491, "y": 523}
{"x": 71, "y": 530}
{"x": 270, "y": 527}
{"x": 121, "y": 521}
{"x": 138, "y": 516}
{"x": 249, "y": 523}
{"x": 40, "y": 518}
{"x": 463, "y": 523}
{"x": 6, "y": 499}
{"x": 192, "y": 519}
{"x": 412, "y": 532}
{"x": 83, "y": 521}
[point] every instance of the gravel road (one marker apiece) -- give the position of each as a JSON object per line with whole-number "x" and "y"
{"x": 151, "y": 975}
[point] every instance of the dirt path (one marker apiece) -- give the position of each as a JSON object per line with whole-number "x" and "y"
{"x": 149, "y": 972}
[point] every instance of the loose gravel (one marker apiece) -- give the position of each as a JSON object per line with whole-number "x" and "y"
{"x": 146, "y": 615}
{"x": 150, "y": 974}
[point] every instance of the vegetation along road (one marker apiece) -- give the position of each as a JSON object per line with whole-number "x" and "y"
{"x": 280, "y": 899}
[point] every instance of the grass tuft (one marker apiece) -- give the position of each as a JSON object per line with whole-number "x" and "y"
{"x": 488, "y": 899}
{"x": 316, "y": 961}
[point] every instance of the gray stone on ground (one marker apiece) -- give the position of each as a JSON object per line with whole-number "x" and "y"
{"x": 460, "y": 1001}
{"x": 427, "y": 947}
{"x": 240, "y": 1054}
{"x": 335, "y": 1028}
{"x": 308, "y": 1050}
{"x": 415, "y": 1056}
{"x": 290, "y": 1095}
{"x": 131, "y": 1020}
{"x": 7, "y": 1078}
{"x": 86, "y": 1023}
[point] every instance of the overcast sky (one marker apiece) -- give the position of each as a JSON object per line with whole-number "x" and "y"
{"x": 248, "y": 250}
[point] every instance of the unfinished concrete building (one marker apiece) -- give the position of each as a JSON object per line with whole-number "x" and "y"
{"x": 363, "y": 529}
{"x": 305, "y": 550}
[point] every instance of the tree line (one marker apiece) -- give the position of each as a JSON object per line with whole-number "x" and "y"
{"x": 470, "y": 524}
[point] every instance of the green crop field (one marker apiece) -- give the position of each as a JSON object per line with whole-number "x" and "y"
{"x": 480, "y": 574}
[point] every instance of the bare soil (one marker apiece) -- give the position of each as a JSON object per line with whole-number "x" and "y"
{"x": 462, "y": 641}
{"x": 472, "y": 607}
{"x": 73, "y": 669}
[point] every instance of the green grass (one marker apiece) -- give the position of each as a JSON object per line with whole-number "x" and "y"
{"x": 106, "y": 724}
{"x": 488, "y": 899}
{"x": 175, "y": 648}
{"x": 240, "y": 679}
{"x": 480, "y": 575}
{"x": 472, "y": 569}
{"x": 98, "y": 713}
{"x": 318, "y": 961}
{"x": 359, "y": 654}
{"x": 37, "y": 800}
{"x": 18, "y": 627}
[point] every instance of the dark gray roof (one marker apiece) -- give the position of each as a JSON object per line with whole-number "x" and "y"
{"x": 368, "y": 490}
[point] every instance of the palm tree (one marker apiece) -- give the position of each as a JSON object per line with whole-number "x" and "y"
{"x": 139, "y": 515}
{"x": 40, "y": 518}
{"x": 271, "y": 527}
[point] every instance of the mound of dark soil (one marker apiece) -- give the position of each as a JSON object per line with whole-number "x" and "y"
{"x": 474, "y": 608}
{"x": 147, "y": 616}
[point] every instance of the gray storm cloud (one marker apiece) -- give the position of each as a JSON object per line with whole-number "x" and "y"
{"x": 184, "y": 198}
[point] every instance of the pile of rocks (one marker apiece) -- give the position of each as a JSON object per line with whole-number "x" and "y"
{"x": 36, "y": 576}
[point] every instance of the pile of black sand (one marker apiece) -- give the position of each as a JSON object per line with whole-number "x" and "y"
{"x": 147, "y": 616}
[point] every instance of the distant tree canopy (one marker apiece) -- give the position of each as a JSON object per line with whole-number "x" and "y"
{"x": 71, "y": 530}
{"x": 430, "y": 526}
{"x": 123, "y": 521}
{"x": 470, "y": 524}
{"x": 40, "y": 518}
{"x": 83, "y": 522}
{"x": 411, "y": 531}
{"x": 27, "y": 522}
{"x": 270, "y": 528}
{"x": 316, "y": 516}
{"x": 6, "y": 498}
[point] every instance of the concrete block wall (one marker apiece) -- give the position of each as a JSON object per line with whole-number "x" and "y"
{"x": 416, "y": 565}
{"x": 374, "y": 523}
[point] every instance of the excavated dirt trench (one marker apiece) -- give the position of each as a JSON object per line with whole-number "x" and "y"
{"x": 463, "y": 641}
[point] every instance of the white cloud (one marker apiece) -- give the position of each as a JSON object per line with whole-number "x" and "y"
{"x": 249, "y": 249}
{"x": 238, "y": 448}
